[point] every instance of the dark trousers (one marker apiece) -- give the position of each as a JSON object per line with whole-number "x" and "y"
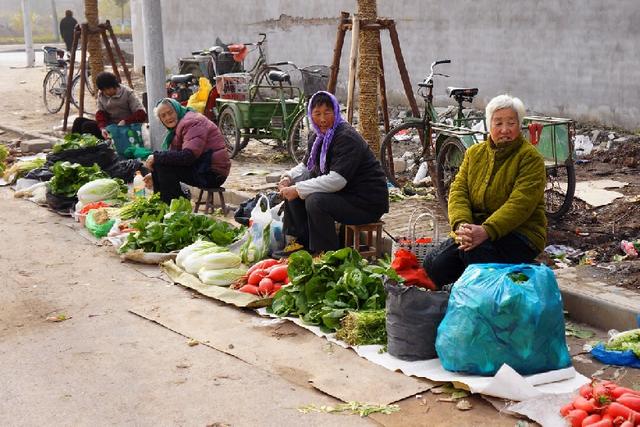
{"x": 312, "y": 221}
{"x": 84, "y": 125}
{"x": 167, "y": 179}
{"x": 447, "y": 263}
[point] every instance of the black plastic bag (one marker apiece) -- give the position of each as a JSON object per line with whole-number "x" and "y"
{"x": 124, "y": 169}
{"x": 61, "y": 203}
{"x": 40, "y": 174}
{"x": 102, "y": 154}
{"x": 413, "y": 316}
{"x": 243, "y": 213}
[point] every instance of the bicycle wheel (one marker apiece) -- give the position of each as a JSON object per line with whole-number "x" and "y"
{"x": 560, "y": 189}
{"x": 298, "y": 140}
{"x": 406, "y": 144}
{"x": 264, "y": 93}
{"x": 89, "y": 101}
{"x": 53, "y": 90}
{"x": 448, "y": 163}
{"x": 230, "y": 131}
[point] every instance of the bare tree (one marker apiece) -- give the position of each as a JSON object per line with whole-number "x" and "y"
{"x": 94, "y": 40}
{"x": 368, "y": 73}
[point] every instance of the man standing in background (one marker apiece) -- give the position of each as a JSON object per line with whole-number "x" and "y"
{"x": 67, "y": 25}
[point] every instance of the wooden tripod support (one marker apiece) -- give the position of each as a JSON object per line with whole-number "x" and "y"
{"x": 80, "y": 35}
{"x": 353, "y": 23}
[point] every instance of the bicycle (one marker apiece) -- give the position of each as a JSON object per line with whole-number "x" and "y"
{"x": 54, "y": 85}
{"x": 437, "y": 143}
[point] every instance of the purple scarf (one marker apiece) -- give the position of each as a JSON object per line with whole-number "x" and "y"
{"x": 323, "y": 140}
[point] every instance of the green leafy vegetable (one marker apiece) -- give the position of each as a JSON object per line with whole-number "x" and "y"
{"x": 322, "y": 293}
{"x": 74, "y": 141}
{"x": 152, "y": 206}
{"x": 362, "y": 409}
{"x": 21, "y": 168}
{"x": 627, "y": 340}
{"x": 4, "y": 153}
{"x": 363, "y": 328}
{"x": 69, "y": 177}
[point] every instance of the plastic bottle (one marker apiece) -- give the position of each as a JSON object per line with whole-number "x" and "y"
{"x": 138, "y": 185}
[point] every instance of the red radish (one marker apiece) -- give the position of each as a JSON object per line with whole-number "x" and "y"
{"x": 581, "y": 403}
{"x": 286, "y": 280}
{"x": 576, "y": 417}
{"x": 262, "y": 265}
{"x": 266, "y": 286}
{"x": 619, "y": 391}
{"x": 256, "y": 276}
{"x": 278, "y": 273}
{"x": 631, "y": 401}
{"x": 586, "y": 391}
{"x": 601, "y": 423}
{"x": 566, "y": 408}
{"x": 593, "y": 418}
{"x": 616, "y": 410}
{"x": 249, "y": 289}
{"x": 627, "y": 423}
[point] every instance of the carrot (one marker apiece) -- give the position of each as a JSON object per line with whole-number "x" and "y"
{"x": 616, "y": 410}
{"x": 278, "y": 273}
{"x": 566, "y": 408}
{"x": 631, "y": 401}
{"x": 249, "y": 289}
{"x": 593, "y": 418}
{"x": 576, "y": 417}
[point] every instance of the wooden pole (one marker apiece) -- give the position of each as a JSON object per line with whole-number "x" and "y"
{"x": 337, "y": 53}
{"x": 114, "y": 40}
{"x": 353, "y": 62}
{"x": 107, "y": 45}
{"x": 83, "y": 67}
{"x": 383, "y": 89}
{"x": 72, "y": 62}
{"x": 404, "y": 75}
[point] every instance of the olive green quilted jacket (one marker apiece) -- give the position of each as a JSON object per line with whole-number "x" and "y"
{"x": 501, "y": 189}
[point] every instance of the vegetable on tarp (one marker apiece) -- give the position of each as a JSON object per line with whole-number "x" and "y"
{"x": 102, "y": 189}
{"x": 363, "y": 328}
{"x": 21, "y": 168}
{"x": 199, "y": 245}
{"x": 211, "y": 260}
{"x": 152, "y": 206}
{"x": 627, "y": 340}
{"x": 4, "y": 153}
{"x": 74, "y": 141}
{"x": 222, "y": 277}
{"x": 69, "y": 177}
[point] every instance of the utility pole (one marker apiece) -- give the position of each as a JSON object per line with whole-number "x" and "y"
{"x": 28, "y": 39}
{"x": 56, "y": 24}
{"x": 154, "y": 65}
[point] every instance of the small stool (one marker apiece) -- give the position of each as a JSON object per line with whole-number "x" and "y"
{"x": 369, "y": 247}
{"x": 209, "y": 204}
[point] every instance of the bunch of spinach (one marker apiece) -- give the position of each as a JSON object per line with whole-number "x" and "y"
{"x": 69, "y": 177}
{"x": 176, "y": 229}
{"x": 141, "y": 205}
{"x": 74, "y": 141}
{"x": 323, "y": 292}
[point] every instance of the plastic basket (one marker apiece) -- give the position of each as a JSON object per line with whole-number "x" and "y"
{"x": 314, "y": 78}
{"x": 52, "y": 55}
{"x": 224, "y": 64}
{"x": 233, "y": 86}
{"x": 410, "y": 243}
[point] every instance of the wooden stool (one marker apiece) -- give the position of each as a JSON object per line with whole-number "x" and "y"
{"x": 369, "y": 247}
{"x": 209, "y": 204}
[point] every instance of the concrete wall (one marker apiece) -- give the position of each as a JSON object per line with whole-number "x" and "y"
{"x": 575, "y": 58}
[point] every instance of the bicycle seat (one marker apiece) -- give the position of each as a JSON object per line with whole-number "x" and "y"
{"x": 279, "y": 76}
{"x": 181, "y": 78}
{"x": 462, "y": 94}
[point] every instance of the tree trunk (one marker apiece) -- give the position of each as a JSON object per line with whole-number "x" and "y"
{"x": 368, "y": 73}
{"x": 95, "y": 42}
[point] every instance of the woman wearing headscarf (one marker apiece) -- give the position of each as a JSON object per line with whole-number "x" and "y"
{"x": 496, "y": 201}
{"x": 194, "y": 152}
{"x": 339, "y": 180}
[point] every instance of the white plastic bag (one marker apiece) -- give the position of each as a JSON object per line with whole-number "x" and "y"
{"x": 256, "y": 245}
{"x": 276, "y": 234}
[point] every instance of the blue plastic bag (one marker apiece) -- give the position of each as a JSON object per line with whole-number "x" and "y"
{"x": 613, "y": 357}
{"x": 504, "y": 313}
{"x": 126, "y": 136}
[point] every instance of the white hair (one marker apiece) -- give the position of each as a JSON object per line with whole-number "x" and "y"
{"x": 504, "y": 101}
{"x": 165, "y": 101}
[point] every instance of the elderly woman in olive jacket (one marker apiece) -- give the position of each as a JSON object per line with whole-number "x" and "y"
{"x": 496, "y": 202}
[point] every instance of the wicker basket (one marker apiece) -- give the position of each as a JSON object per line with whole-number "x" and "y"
{"x": 409, "y": 242}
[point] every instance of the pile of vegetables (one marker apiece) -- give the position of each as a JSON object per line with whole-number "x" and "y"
{"x": 74, "y": 141}
{"x": 623, "y": 341}
{"x": 101, "y": 189}
{"x": 603, "y": 404}
{"x": 264, "y": 279}
{"x": 4, "y": 153}
{"x": 69, "y": 177}
{"x": 363, "y": 328}
{"x": 213, "y": 264}
{"x": 177, "y": 229}
{"x": 137, "y": 208}
{"x": 21, "y": 168}
{"x": 322, "y": 292}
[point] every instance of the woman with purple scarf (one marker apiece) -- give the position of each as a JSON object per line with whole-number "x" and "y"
{"x": 339, "y": 180}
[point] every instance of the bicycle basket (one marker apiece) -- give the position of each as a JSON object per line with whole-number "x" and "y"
{"x": 314, "y": 78}
{"x": 199, "y": 66}
{"x": 225, "y": 64}
{"x": 52, "y": 55}
{"x": 418, "y": 245}
{"x": 233, "y": 86}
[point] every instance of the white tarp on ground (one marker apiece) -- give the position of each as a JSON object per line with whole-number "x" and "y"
{"x": 595, "y": 193}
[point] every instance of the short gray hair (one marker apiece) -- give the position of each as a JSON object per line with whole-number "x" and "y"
{"x": 504, "y": 101}
{"x": 164, "y": 101}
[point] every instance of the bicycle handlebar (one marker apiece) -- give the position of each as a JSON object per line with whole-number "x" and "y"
{"x": 429, "y": 78}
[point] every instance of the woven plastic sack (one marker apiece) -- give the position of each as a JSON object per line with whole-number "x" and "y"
{"x": 504, "y": 314}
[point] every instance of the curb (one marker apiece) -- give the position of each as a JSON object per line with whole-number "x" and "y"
{"x": 32, "y": 134}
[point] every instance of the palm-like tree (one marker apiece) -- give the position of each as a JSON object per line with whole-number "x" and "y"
{"x": 368, "y": 74}
{"x": 94, "y": 39}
